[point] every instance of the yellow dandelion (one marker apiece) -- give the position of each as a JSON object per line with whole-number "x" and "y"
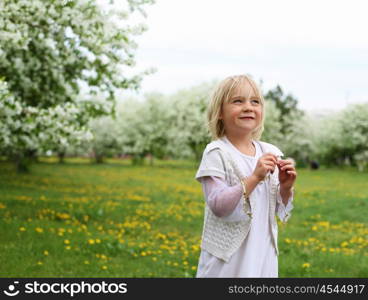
{"x": 46, "y": 252}
{"x": 40, "y": 263}
{"x": 91, "y": 241}
{"x": 98, "y": 241}
{"x": 287, "y": 240}
{"x": 104, "y": 267}
{"x": 86, "y": 262}
{"x": 344, "y": 244}
{"x": 314, "y": 228}
{"x": 194, "y": 268}
{"x": 306, "y": 265}
{"x": 143, "y": 253}
{"x": 68, "y": 247}
{"x": 154, "y": 258}
{"x": 66, "y": 242}
{"x": 39, "y": 229}
{"x": 22, "y": 229}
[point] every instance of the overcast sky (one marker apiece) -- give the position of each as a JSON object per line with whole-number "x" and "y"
{"x": 316, "y": 50}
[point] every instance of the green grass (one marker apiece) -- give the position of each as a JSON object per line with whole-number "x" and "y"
{"x": 116, "y": 220}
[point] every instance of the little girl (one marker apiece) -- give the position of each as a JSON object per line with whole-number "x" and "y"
{"x": 245, "y": 184}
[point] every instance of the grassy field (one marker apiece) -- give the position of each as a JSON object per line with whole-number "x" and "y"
{"x": 116, "y": 220}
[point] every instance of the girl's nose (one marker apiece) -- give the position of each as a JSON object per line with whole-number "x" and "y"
{"x": 247, "y": 105}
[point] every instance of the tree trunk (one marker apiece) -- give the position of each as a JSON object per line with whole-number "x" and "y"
{"x": 138, "y": 160}
{"x": 99, "y": 158}
{"x": 61, "y": 156}
{"x": 22, "y": 163}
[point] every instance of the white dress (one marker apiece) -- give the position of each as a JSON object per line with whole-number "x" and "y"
{"x": 256, "y": 257}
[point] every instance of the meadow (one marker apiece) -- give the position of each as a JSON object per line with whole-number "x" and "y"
{"x": 79, "y": 219}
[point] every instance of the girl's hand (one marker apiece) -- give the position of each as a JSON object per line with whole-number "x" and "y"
{"x": 287, "y": 173}
{"x": 266, "y": 163}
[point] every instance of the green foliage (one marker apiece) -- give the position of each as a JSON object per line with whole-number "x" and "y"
{"x": 286, "y": 104}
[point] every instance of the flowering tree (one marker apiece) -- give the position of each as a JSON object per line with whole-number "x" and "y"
{"x": 105, "y": 140}
{"x": 342, "y": 137}
{"x": 299, "y": 138}
{"x": 26, "y": 130}
{"x": 272, "y": 127}
{"x": 354, "y": 131}
{"x": 143, "y": 126}
{"x": 189, "y": 133}
{"x": 49, "y": 49}
{"x": 162, "y": 126}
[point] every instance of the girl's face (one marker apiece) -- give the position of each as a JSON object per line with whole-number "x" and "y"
{"x": 243, "y": 112}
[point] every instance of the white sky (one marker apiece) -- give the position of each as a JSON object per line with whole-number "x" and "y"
{"x": 316, "y": 50}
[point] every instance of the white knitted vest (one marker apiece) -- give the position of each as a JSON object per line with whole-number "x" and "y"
{"x": 222, "y": 238}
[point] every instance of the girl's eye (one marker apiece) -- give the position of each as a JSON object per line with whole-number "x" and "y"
{"x": 237, "y": 101}
{"x": 255, "y": 101}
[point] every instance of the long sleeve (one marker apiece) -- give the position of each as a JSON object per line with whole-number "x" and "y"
{"x": 282, "y": 211}
{"x": 221, "y": 198}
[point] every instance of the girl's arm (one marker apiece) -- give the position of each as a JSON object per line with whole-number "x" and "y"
{"x": 250, "y": 183}
{"x": 221, "y": 198}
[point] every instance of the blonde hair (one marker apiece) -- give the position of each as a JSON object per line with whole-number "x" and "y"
{"x": 222, "y": 93}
